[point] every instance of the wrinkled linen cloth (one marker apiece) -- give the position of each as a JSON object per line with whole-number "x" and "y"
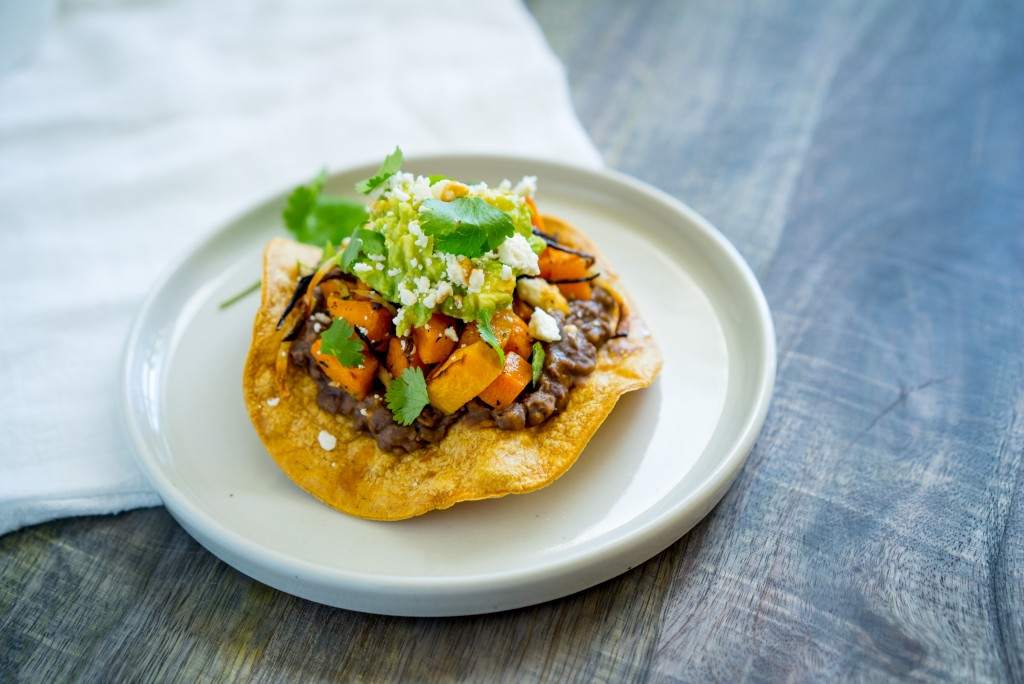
{"x": 132, "y": 130}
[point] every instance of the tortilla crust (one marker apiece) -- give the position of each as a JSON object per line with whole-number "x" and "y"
{"x": 470, "y": 463}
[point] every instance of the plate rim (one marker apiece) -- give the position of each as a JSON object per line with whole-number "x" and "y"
{"x": 652, "y": 536}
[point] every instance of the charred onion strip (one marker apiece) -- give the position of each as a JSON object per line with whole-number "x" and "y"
{"x": 584, "y": 279}
{"x": 300, "y": 290}
{"x": 589, "y": 258}
{"x": 366, "y": 340}
{"x": 548, "y": 237}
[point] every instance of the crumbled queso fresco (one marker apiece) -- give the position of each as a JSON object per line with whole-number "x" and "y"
{"x": 543, "y": 326}
{"x": 327, "y": 440}
{"x": 423, "y": 280}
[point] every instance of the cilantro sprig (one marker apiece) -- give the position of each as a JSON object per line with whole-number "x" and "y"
{"x": 363, "y": 241}
{"x": 316, "y": 219}
{"x": 392, "y": 164}
{"x": 341, "y": 342}
{"x": 483, "y": 324}
{"x": 467, "y": 226}
{"x": 407, "y": 396}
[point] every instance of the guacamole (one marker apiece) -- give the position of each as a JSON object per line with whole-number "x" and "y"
{"x": 413, "y": 271}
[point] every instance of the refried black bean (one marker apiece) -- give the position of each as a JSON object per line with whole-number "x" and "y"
{"x": 589, "y": 324}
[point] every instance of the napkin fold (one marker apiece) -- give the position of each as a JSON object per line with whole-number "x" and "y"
{"x": 134, "y": 129}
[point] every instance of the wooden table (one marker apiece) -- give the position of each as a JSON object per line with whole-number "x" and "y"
{"x": 867, "y": 159}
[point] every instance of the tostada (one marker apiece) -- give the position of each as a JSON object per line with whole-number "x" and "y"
{"x": 455, "y": 344}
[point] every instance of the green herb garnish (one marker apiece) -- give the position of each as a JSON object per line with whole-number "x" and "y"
{"x": 407, "y": 395}
{"x": 537, "y": 362}
{"x": 468, "y": 225}
{"x": 341, "y": 342}
{"x": 316, "y": 219}
{"x": 483, "y": 323}
{"x": 392, "y": 164}
{"x": 240, "y": 296}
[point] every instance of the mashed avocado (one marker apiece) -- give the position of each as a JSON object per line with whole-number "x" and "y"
{"x": 420, "y": 278}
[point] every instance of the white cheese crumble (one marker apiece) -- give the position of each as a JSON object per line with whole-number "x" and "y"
{"x": 476, "y": 280}
{"x": 531, "y": 290}
{"x": 543, "y": 326}
{"x": 450, "y": 333}
{"x": 407, "y": 297}
{"x": 444, "y": 291}
{"x": 362, "y": 268}
{"x": 516, "y": 252}
{"x": 506, "y": 272}
{"x": 526, "y": 187}
{"x": 438, "y": 188}
{"x": 394, "y": 272}
{"x": 454, "y": 269}
{"x": 273, "y": 401}
{"x": 327, "y": 440}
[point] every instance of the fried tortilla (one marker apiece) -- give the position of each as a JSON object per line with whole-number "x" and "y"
{"x": 472, "y": 462}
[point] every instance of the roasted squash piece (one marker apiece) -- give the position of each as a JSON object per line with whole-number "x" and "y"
{"x": 371, "y": 318}
{"x": 402, "y": 354}
{"x": 433, "y": 343}
{"x": 512, "y": 333}
{"x": 466, "y": 373}
{"x": 512, "y": 380}
{"x": 357, "y": 381}
{"x": 555, "y": 264}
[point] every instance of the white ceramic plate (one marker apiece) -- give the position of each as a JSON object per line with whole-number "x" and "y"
{"x": 660, "y": 462}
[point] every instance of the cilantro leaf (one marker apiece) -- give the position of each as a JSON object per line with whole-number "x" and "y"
{"x": 362, "y": 241}
{"x": 483, "y": 323}
{"x": 468, "y": 225}
{"x": 340, "y": 341}
{"x": 316, "y": 219}
{"x": 348, "y": 257}
{"x": 373, "y": 242}
{"x": 407, "y": 395}
{"x": 537, "y": 362}
{"x": 392, "y": 163}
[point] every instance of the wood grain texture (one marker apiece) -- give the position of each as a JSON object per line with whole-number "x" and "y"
{"x": 867, "y": 158}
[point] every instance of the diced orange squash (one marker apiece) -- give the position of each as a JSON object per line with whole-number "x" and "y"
{"x": 334, "y": 287}
{"x": 555, "y": 264}
{"x": 512, "y": 332}
{"x": 512, "y": 380}
{"x": 466, "y": 373}
{"x": 470, "y": 334}
{"x": 431, "y": 341}
{"x": 372, "y": 318}
{"x": 535, "y": 218}
{"x": 402, "y": 354}
{"x": 356, "y": 381}
{"x": 522, "y": 309}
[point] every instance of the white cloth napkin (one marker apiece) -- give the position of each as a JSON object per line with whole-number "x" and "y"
{"x": 135, "y": 128}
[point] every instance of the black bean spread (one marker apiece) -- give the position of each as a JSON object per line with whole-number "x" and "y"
{"x": 586, "y": 328}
